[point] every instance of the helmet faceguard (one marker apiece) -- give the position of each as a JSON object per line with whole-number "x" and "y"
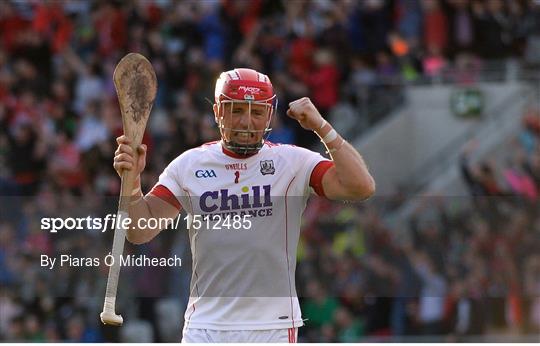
{"x": 254, "y": 91}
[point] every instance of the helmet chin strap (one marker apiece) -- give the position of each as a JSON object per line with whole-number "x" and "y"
{"x": 246, "y": 149}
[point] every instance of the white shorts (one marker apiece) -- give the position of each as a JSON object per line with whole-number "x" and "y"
{"x": 191, "y": 335}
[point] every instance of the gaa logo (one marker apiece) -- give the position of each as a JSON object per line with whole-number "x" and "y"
{"x": 205, "y": 173}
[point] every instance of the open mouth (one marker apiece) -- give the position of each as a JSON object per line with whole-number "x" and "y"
{"x": 244, "y": 136}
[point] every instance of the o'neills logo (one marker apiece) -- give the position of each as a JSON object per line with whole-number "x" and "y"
{"x": 222, "y": 200}
{"x": 236, "y": 166}
{"x": 249, "y": 90}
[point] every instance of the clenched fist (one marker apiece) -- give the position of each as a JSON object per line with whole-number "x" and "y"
{"x": 125, "y": 158}
{"x": 305, "y": 113}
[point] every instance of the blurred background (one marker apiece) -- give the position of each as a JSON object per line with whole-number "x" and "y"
{"x": 440, "y": 96}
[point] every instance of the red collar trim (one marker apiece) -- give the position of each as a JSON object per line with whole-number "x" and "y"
{"x": 233, "y": 154}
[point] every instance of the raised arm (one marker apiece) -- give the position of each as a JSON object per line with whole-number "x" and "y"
{"x": 141, "y": 207}
{"x": 349, "y": 178}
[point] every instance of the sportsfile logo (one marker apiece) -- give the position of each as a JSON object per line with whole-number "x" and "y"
{"x": 205, "y": 173}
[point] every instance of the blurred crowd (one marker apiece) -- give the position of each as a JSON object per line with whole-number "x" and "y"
{"x": 59, "y": 117}
{"x": 459, "y": 266}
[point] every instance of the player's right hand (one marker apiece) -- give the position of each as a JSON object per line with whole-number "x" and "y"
{"x": 124, "y": 158}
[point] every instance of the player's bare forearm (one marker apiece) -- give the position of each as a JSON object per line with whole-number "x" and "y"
{"x": 144, "y": 208}
{"x": 349, "y": 179}
{"x": 140, "y": 208}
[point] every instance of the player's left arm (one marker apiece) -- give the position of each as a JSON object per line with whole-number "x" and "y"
{"x": 349, "y": 178}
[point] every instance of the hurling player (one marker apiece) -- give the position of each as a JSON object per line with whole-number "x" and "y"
{"x": 245, "y": 196}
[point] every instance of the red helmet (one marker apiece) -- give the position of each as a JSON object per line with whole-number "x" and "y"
{"x": 246, "y": 86}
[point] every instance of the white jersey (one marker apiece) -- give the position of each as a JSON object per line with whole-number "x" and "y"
{"x": 243, "y": 273}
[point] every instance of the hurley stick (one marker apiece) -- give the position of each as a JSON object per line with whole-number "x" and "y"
{"x": 136, "y": 86}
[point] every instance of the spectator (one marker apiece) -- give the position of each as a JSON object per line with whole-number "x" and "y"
{"x": 349, "y": 328}
{"x": 461, "y": 27}
{"x": 33, "y": 329}
{"x": 493, "y": 29}
{"x": 386, "y": 69}
{"x": 323, "y": 81}
{"x": 25, "y": 142}
{"x": 435, "y": 26}
{"x": 319, "y": 308}
{"x": 65, "y": 164}
{"x": 532, "y": 168}
{"x": 281, "y": 133}
{"x": 434, "y": 62}
{"x": 110, "y": 22}
{"x": 52, "y": 22}
{"x": 519, "y": 181}
{"x": 92, "y": 130}
{"x": 432, "y": 294}
{"x": 464, "y": 310}
{"x": 532, "y": 289}
{"x": 410, "y": 20}
{"x": 15, "y": 332}
{"x": 480, "y": 178}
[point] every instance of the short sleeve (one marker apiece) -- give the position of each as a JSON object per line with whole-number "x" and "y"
{"x": 309, "y": 161}
{"x": 166, "y": 195}
{"x": 171, "y": 181}
{"x": 170, "y": 178}
{"x": 317, "y": 174}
